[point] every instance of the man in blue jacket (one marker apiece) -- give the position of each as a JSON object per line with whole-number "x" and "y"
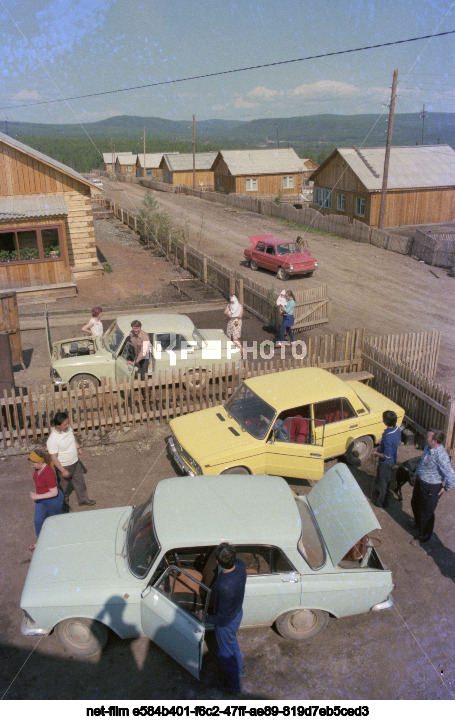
{"x": 228, "y": 592}
{"x": 387, "y": 454}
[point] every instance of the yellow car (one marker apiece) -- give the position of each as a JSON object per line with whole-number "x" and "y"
{"x": 283, "y": 424}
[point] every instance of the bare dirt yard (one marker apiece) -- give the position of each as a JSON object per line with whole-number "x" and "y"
{"x": 373, "y": 288}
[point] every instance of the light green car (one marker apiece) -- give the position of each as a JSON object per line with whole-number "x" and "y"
{"x": 147, "y": 570}
{"x": 175, "y": 343}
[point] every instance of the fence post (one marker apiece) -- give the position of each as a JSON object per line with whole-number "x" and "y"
{"x": 449, "y": 429}
{"x": 231, "y": 284}
{"x": 241, "y": 291}
{"x": 204, "y": 270}
{"x": 185, "y": 258}
{"x": 135, "y": 224}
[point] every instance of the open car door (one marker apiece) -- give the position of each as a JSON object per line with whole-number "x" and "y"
{"x": 341, "y": 510}
{"x": 170, "y": 611}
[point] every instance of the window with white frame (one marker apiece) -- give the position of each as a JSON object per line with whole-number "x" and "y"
{"x": 251, "y": 184}
{"x": 341, "y": 202}
{"x": 129, "y": 169}
{"x": 323, "y": 197}
{"x": 288, "y": 181}
{"x": 360, "y": 207}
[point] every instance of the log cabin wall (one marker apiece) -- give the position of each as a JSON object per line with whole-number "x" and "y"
{"x": 269, "y": 184}
{"x": 185, "y": 177}
{"x": 22, "y": 174}
{"x": 414, "y": 207}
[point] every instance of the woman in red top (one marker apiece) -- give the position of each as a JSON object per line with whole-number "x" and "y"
{"x": 48, "y": 497}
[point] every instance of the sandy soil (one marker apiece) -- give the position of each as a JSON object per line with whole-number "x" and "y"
{"x": 373, "y": 288}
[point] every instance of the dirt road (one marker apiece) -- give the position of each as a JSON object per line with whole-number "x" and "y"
{"x": 369, "y": 287}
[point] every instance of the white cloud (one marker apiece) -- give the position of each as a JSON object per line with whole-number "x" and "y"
{"x": 25, "y": 95}
{"x": 241, "y": 103}
{"x": 324, "y": 89}
{"x": 262, "y": 93}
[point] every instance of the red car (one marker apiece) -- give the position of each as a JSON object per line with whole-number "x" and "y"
{"x": 284, "y": 257}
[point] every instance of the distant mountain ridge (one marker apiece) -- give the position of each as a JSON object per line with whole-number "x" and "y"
{"x": 311, "y": 136}
{"x": 308, "y": 129}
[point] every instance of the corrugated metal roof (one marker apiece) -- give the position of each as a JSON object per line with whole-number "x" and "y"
{"x": 45, "y": 158}
{"x": 422, "y": 166}
{"x": 107, "y": 157}
{"x": 262, "y": 162}
{"x": 127, "y": 159}
{"x": 152, "y": 160}
{"x": 32, "y": 206}
{"x": 184, "y": 161}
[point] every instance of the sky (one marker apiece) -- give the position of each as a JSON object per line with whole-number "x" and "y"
{"x": 54, "y": 49}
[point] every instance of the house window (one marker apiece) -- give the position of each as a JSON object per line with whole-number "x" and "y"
{"x": 29, "y": 244}
{"x": 341, "y": 202}
{"x": 288, "y": 181}
{"x": 251, "y": 184}
{"x": 323, "y": 197}
{"x": 360, "y": 207}
{"x": 129, "y": 169}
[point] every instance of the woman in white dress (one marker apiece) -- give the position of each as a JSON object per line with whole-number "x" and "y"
{"x": 94, "y": 326}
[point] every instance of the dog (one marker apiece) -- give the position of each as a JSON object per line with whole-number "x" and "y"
{"x": 404, "y": 474}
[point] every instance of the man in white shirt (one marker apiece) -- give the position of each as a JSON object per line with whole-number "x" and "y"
{"x": 66, "y": 453}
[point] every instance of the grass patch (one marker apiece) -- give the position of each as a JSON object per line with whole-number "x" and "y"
{"x": 306, "y": 228}
{"x": 107, "y": 267}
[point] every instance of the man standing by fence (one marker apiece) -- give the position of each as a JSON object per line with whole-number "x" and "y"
{"x": 387, "y": 455}
{"x": 434, "y": 468}
{"x": 65, "y": 453}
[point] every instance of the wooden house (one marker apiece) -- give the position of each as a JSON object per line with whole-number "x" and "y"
{"x": 148, "y": 165}
{"x": 177, "y": 169}
{"x": 47, "y": 237}
{"x": 309, "y": 166}
{"x": 420, "y": 187}
{"x": 259, "y": 172}
{"x": 125, "y": 164}
{"x": 110, "y": 158}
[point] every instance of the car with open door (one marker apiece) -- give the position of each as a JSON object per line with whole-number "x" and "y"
{"x": 175, "y": 343}
{"x": 285, "y": 423}
{"x": 148, "y": 570}
{"x": 283, "y": 257}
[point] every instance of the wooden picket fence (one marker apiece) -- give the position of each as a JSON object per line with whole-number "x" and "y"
{"x": 427, "y": 404}
{"x": 26, "y": 419}
{"x": 419, "y": 351}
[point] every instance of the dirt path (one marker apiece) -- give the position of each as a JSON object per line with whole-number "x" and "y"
{"x": 370, "y": 287}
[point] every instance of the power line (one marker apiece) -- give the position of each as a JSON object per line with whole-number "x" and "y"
{"x": 231, "y": 72}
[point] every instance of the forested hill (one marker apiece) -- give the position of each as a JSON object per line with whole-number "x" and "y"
{"x": 311, "y": 136}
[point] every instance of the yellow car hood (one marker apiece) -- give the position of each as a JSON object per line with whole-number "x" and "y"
{"x": 215, "y": 436}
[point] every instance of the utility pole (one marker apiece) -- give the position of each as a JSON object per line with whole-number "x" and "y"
{"x": 423, "y": 115}
{"x": 144, "y": 171}
{"x": 194, "y": 151}
{"x": 387, "y": 150}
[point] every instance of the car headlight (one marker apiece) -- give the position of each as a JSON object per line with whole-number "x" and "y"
{"x": 316, "y": 265}
{"x": 291, "y": 267}
{"x": 55, "y": 376}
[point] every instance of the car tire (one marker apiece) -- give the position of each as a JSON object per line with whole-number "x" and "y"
{"x": 82, "y": 637}
{"x": 236, "y": 470}
{"x": 195, "y": 380}
{"x": 253, "y": 265}
{"x": 83, "y": 380}
{"x": 359, "y": 450}
{"x": 282, "y": 275}
{"x": 301, "y": 624}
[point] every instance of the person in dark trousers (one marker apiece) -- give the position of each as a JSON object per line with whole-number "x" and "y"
{"x": 387, "y": 454}
{"x": 228, "y": 592}
{"x": 140, "y": 341}
{"x": 434, "y": 468}
{"x": 66, "y": 455}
